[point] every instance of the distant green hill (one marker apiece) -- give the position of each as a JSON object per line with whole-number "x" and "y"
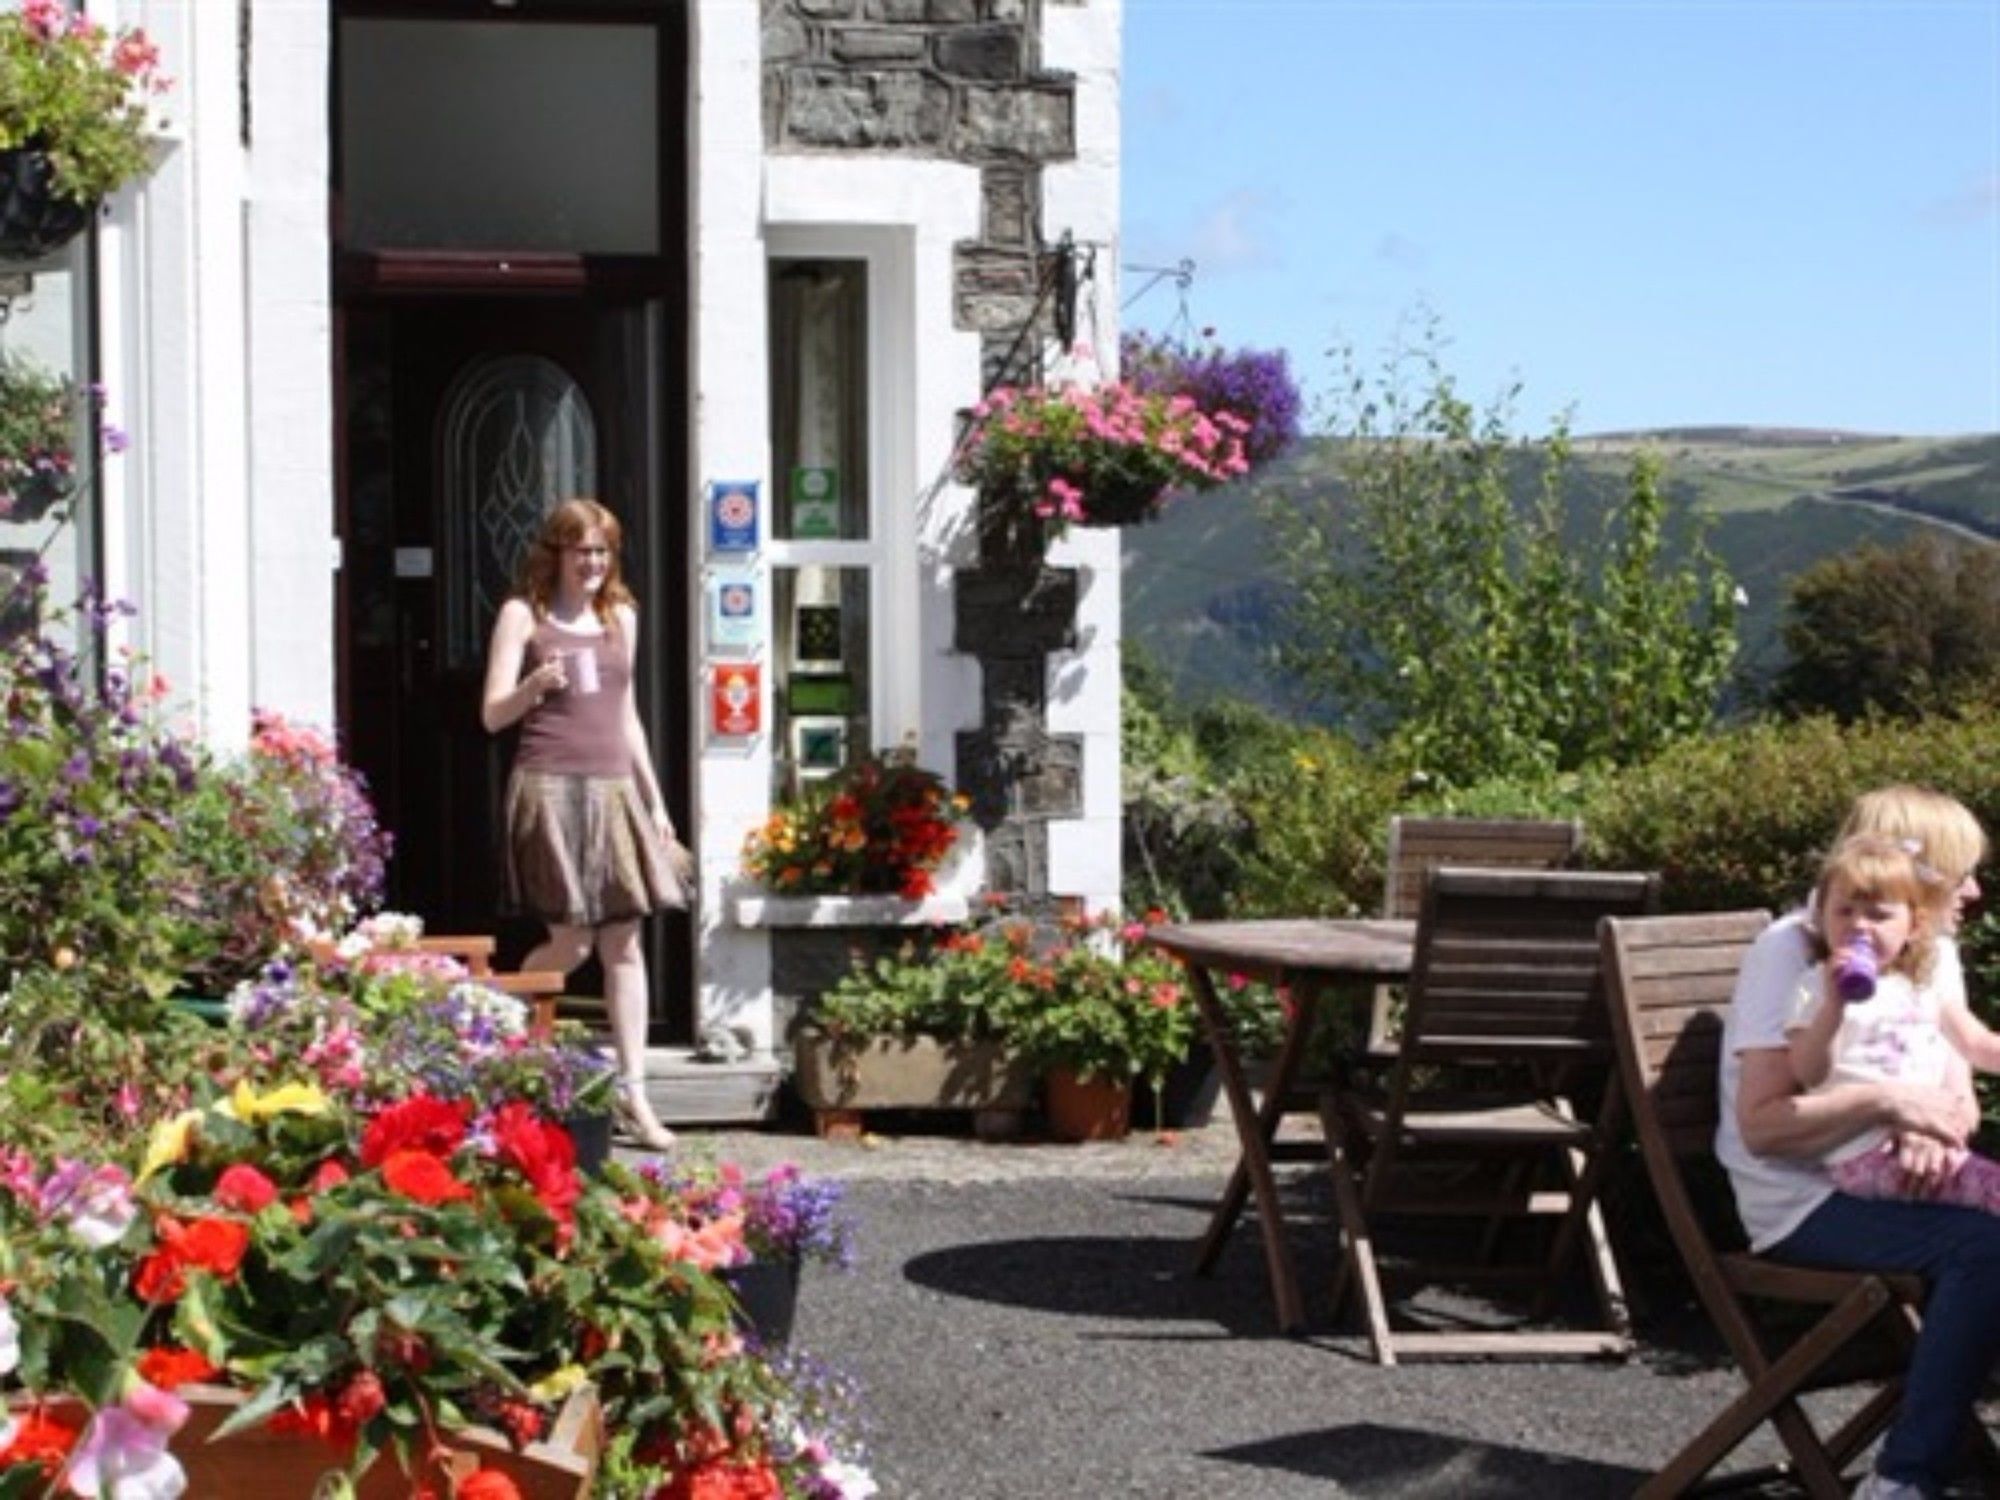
{"x": 1203, "y": 599}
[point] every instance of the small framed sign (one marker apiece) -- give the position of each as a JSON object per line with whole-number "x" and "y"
{"x": 732, "y": 610}
{"x": 736, "y": 698}
{"x": 819, "y": 746}
{"x": 806, "y": 694}
{"x": 816, "y": 645}
{"x": 732, "y": 515}
{"x": 815, "y": 497}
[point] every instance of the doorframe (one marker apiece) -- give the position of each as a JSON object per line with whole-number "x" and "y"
{"x": 666, "y": 674}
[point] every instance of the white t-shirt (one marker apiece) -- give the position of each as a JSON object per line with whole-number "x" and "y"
{"x": 1893, "y": 1036}
{"x": 1774, "y": 1194}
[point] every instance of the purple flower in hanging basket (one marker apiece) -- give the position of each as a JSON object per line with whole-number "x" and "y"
{"x": 1253, "y": 384}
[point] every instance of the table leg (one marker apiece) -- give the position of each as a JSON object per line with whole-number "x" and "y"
{"x": 1256, "y": 1128}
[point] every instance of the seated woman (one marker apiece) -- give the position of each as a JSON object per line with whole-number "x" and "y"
{"x": 1775, "y": 1137}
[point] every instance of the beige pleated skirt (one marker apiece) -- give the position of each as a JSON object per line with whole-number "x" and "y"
{"x": 582, "y": 851}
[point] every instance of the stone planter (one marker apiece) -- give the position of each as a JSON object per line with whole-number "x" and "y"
{"x": 815, "y": 940}
{"x": 921, "y": 1073}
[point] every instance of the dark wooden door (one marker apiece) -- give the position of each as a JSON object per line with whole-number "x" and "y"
{"x": 467, "y": 418}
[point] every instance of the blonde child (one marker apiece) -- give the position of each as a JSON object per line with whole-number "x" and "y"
{"x": 1878, "y": 893}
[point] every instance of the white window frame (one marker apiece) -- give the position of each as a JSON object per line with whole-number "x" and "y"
{"x": 889, "y": 552}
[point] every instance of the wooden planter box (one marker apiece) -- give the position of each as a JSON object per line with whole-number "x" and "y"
{"x": 286, "y": 1466}
{"x": 909, "y": 1073}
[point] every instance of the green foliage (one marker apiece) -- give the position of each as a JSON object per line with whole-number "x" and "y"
{"x": 80, "y": 93}
{"x": 144, "y": 862}
{"x": 1740, "y": 819}
{"x": 1470, "y": 635}
{"x": 1904, "y": 631}
{"x": 1061, "y": 994}
{"x": 958, "y": 992}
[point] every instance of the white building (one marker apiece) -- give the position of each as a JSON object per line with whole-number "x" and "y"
{"x": 411, "y": 270}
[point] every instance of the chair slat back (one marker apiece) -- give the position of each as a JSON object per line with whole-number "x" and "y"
{"x": 1670, "y": 981}
{"x": 1419, "y": 845}
{"x": 1508, "y": 960}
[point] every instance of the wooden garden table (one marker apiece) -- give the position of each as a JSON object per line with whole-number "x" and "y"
{"x": 1309, "y": 956}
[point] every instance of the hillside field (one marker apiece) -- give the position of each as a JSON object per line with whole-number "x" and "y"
{"x": 1202, "y": 596}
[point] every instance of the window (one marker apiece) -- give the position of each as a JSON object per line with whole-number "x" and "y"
{"x": 824, "y": 550}
{"x": 50, "y": 515}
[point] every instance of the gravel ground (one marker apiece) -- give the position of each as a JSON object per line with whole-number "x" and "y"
{"x": 1022, "y": 1323}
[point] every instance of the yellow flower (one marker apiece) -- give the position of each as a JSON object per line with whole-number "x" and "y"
{"x": 1305, "y": 762}
{"x": 555, "y": 1386}
{"x": 287, "y": 1099}
{"x": 169, "y": 1142}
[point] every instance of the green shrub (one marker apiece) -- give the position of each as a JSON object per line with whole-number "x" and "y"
{"x": 1741, "y": 818}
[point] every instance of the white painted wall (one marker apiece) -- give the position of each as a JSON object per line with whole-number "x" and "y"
{"x": 215, "y": 329}
{"x": 1081, "y": 197}
{"x": 731, "y": 440}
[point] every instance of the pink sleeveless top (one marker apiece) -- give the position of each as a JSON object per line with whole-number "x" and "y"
{"x": 577, "y": 732}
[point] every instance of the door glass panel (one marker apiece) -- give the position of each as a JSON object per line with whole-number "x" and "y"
{"x": 819, "y": 408}
{"x": 820, "y": 628}
{"x": 507, "y": 135}
{"x": 517, "y": 439}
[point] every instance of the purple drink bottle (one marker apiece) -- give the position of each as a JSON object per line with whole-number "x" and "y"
{"x": 1854, "y": 969}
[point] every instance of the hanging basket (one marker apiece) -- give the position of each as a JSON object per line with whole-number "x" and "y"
{"x": 1120, "y": 502}
{"x": 36, "y": 496}
{"x": 35, "y": 220}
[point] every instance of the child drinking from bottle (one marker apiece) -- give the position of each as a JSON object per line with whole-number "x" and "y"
{"x": 1880, "y": 1006}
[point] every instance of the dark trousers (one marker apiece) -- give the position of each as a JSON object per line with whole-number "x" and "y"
{"x": 1957, "y": 1252}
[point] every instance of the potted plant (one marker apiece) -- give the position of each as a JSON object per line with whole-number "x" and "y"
{"x": 921, "y": 1028}
{"x": 1100, "y": 455}
{"x": 1099, "y": 1017}
{"x": 882, "y": 826}
{"x": 1255, "y": 385}
{"x": 278, "y": 1283}
{"x": 43, "y": 419}
{"x": 75, "y": 121}
{"x": 779, "y": 1222}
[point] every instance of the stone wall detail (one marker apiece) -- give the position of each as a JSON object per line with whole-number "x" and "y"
{"x": 961, "y": 80}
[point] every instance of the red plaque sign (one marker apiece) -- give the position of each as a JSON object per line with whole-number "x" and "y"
{"x": 736, "y": 698}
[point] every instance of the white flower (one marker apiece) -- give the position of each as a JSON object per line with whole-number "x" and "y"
{"x": 1742, "y": 597}
{"x": 10, "y": 1350}
{"x": 850, "y": 1481}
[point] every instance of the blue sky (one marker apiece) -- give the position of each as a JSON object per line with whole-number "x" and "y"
{"x": 1657, "y": 214}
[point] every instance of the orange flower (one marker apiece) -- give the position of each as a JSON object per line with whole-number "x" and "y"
{"x": 316, "y": 1417}
{"x": 721, "y": 1480}
{"x": 418, "y": 1123}
{"x": 172, "y": 1367}
{"x": 245, "y": 1189}
{"x": 424, "y": 1177}
{"x": 40, "y": 1439}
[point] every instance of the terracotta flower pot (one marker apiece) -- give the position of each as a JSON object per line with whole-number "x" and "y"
{"x": 1087, "y": 1109}
{"x": 280, "y": 1466}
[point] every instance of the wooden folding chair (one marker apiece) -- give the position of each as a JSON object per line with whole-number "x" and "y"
{"x": 1505, "y": 984}
{"x": 1670, "y": 980}
{"x": 1418, "y": 846}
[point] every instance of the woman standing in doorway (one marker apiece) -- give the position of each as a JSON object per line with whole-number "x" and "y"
{"x": 590, "y": 848}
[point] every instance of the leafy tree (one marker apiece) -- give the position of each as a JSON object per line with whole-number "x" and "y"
{"x": 1477, "y": 637}
{"x": 1902, "y": 631}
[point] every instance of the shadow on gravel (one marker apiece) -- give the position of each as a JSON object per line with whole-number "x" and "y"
{"x": 1140, "y": 1278}
{"x": 1366, "y": 1459}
